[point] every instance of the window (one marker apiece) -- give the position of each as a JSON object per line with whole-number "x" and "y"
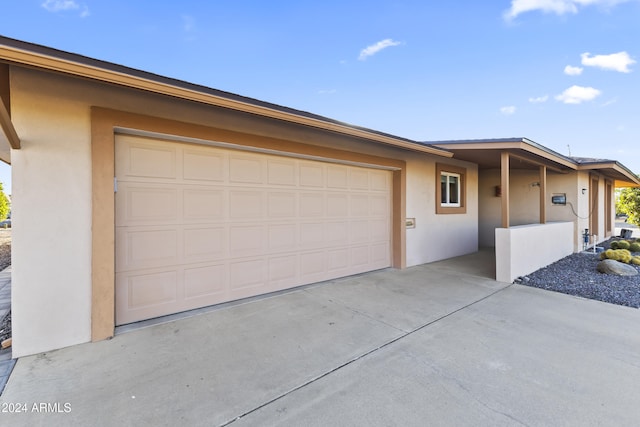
{"x": 450, "y": 189}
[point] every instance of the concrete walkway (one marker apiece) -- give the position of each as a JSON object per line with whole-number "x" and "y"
{"x": 439, "y": 344}
{"x": 6, "y": 362}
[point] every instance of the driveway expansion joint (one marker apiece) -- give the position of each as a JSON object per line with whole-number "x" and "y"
{"x": 362, "y": 356}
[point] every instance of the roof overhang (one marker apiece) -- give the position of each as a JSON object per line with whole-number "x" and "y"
{"x": 529, "y": 154}
{"x": 26, "y": 54}
{"x": 8, "y": 136}
{"x": 622, "y": 176}
{"x": 526, "y": 153}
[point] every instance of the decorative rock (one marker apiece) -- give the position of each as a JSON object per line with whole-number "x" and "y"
{"x": 609, "y": 266}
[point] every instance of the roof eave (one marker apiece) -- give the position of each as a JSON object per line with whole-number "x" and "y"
{"x": 522, "y": 144}
{"x": 171, "y": 87}
{"x": 630, "y": 179}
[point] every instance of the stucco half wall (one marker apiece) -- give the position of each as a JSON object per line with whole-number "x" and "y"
{"x": 523, "y": 249}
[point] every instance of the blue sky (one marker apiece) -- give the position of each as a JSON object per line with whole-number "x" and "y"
{"x": 563, "y": 73}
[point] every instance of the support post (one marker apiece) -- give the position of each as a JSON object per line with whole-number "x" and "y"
{"x": 504, "y": 183}
{"x": 543, "y": 194}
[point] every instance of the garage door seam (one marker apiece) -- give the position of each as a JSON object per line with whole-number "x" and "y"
{"x": 363, "y": 355}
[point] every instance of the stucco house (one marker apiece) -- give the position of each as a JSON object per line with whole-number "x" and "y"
{"x": 179, "y": 196}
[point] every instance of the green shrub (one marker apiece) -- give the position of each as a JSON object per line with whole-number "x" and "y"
{"x": 635, "y": 260}
{"x": 634, "y": 247}
{"x": 614, "y": 244}
{"x": 623, "y": 244}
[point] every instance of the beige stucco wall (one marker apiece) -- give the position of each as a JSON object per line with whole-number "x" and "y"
{"x": 437, "y": 237}
{"x": 523, "y": 249}
{"x": 52, "y": 236}
{"x": 524, "y": 203}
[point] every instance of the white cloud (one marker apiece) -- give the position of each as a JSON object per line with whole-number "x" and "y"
{"x": 375, "y": 48}
{"x": 559, "y": 7}
{"x": 578, "y": 95}
{"x": 188, "y": 23}
{"x": 573, "y": 71}
{"x": 539, "y": 100}
{"x": 65, "y": 5}
{"x": 509, "y": 110}
{"x": 616, "y": 61}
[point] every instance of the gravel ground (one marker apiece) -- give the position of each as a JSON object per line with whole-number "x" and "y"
{"x": 5, "y": 261}
{"x": 577, "y": 275}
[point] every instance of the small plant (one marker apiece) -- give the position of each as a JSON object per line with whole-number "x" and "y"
{"x": 635, "y": 260}
{"x": 614, "y": 244}
{"x": 634, "y": 247}
{"x": 622, "y": 255}
{"x": 623, "y": 244}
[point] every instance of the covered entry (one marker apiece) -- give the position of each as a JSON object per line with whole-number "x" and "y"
{"x": 198, "y": 225}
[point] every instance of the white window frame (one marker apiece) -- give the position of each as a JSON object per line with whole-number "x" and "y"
{"x": 447, "y": 193}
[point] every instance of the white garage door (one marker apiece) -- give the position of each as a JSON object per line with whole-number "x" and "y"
{"x": 199, "y": 225}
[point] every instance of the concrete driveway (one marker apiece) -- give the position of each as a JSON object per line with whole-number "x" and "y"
{"x": 437, "y": 344}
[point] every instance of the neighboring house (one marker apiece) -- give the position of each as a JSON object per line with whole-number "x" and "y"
{"x": 179, "y": 196}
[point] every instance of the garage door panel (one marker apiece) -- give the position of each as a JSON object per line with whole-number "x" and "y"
{"x": 149, "y": 161}
{"x": 205, "y": 244}
{"x": 311, "y": 175}
{"x": 282, "y": 172}
{"x": 312, "y": 235}
{"x": 203, "y": 205}
{"x": 338, "y": 177}
{"x": 337, "y": 261}
{"x": 204, "y": 225}
{"x": 312, "y": 204}
{"x": 313, "y": 266}
{"x": 359, "y": 231}
{"x": 148, "y": 289}
{"x": 359, "y": 256}
{"x": 145, "y": 248}
{"x": 282, "y": 237}
{"x": 246, "y": 204}
{"x": 337, "y": 205}
{"x": 283, "y": 271}
{"x": 379, "y": 205}
{"x": 247, "y": 274}
{"x": 282, "y": 205}
{"x": 359, "y": 204}
{"x": 204, "y": 165}
{"x": 246, "y": 170}
{"x": 337, "y": 233}
{"x": 246, "y": 240}
{"x": 140, "y": 203}
{"x": 379, "y": 230}
{"x": 208, "y": 281}
{"x": 379, "y": 181}
{"x": 380, "y": 255}
{"x": 359, "y": 179}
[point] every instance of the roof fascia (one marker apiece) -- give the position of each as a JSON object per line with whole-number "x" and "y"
{"x": 76, "y": 68}
{"x": 615, "y": 166}
{"x": 521, "y": 144}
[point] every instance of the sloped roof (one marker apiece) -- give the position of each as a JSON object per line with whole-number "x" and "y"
{"x": 486, "y": 153}
{"x": 32, "y": 55}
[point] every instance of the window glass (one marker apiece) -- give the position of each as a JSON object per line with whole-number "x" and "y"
{"x": 443, "y": 189}
{"x": 450, "y": 189}
{"x": 453, "y": 190}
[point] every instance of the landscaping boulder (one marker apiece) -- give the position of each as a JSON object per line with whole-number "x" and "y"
{"x": 610, "y": 266}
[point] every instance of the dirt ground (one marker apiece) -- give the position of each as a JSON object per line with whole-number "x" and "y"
{"x": 5, "y": 248}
